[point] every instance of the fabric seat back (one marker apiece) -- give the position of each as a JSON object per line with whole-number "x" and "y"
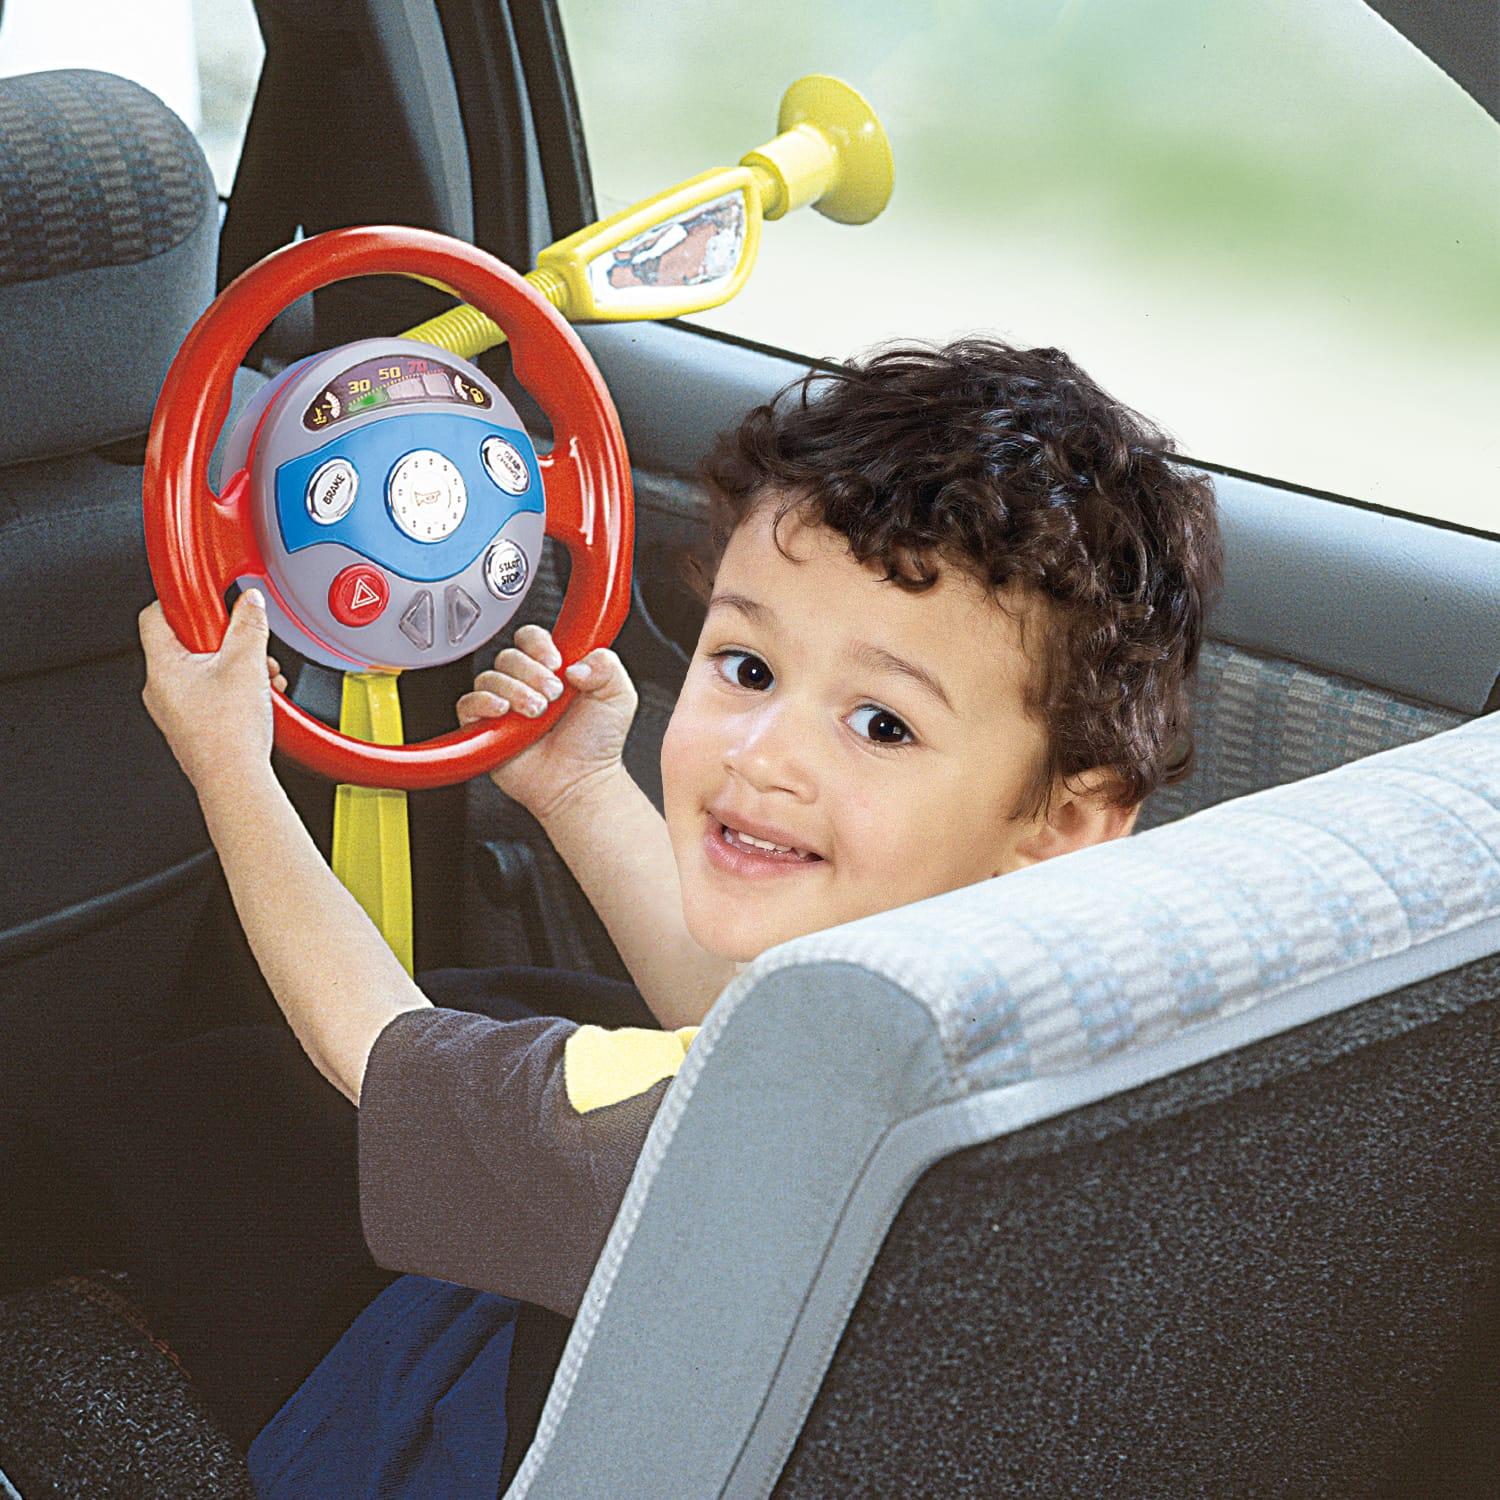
{"x": 840, "y": 1068}
{"x": 110, "y": 226}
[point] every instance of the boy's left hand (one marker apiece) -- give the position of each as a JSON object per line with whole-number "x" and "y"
{"x": 213, "y": 707}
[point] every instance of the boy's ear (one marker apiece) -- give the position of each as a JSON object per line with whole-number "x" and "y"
{"x": 1080, "y": 816}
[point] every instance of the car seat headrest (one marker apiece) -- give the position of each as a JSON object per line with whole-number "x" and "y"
{"x": 108, "y": 232}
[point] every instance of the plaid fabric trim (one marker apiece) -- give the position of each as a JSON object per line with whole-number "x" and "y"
{"x": 1262, "y": 722}
{"x": 1062, "y": 964}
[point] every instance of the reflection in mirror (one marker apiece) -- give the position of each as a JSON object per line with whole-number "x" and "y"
{"x": 700, "y": 248}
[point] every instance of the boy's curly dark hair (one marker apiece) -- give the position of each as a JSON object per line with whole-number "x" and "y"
{"x": 1014, "y": 466}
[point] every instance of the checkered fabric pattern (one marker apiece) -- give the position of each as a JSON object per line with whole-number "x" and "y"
{"x": 94, "y": 173}
{"x": 1261, "y": 722}
{"x": 1063, "y": 964}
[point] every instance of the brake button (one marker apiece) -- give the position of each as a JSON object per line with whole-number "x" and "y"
{"x": 331, "y": 491}
{"x": 359, "y": 595}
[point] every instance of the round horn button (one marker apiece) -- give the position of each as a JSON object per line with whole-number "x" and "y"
{"x": 427, "y": 496}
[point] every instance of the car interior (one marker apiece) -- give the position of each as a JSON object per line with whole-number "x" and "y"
{"x": 1169, "y": 1167}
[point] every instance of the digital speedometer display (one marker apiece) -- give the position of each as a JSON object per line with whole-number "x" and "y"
{"x": 391, "y": 380}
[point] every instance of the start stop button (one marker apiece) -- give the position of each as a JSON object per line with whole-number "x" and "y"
{"x": 505, "y": 570}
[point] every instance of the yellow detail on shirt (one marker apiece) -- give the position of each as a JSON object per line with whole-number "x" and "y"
{"x": 602, "y": 1067}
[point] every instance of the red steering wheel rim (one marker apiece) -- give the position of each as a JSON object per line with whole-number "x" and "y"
{"x": 198, "y": 542}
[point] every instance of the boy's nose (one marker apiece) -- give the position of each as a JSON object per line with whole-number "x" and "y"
{"x": 773, "y": 751}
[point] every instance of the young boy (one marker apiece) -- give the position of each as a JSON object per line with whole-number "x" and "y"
{"x": 957, "y": 599}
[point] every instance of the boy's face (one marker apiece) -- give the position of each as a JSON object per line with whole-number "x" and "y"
{"x": 790, "y": 723}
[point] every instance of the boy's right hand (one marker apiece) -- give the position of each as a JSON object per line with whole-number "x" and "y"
{"x": 589, "y": 738}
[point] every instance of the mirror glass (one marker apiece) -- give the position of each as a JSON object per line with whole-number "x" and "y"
{"x": 695, "y": 252}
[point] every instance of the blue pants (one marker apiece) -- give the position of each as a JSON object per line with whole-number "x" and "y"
{"x": 409, "y": 1403}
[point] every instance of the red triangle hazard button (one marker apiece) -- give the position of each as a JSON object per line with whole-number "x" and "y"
{"x": 359, "y": 595}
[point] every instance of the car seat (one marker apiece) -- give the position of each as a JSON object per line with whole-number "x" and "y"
{"x": 109, "y": 225}
{"x": 1170, "y": 1167}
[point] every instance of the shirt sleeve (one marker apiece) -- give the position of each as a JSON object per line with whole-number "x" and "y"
{"x": 496, "y": 1154}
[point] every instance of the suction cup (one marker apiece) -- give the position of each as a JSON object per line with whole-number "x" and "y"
{"x": 865, "y": 170}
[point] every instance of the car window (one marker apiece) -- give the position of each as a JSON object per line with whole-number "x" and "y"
{"x": 1273, "y": 226}
{"x": 200, "y": 57}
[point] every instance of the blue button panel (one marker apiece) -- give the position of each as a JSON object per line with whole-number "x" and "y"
{"x": 374, "y": 450}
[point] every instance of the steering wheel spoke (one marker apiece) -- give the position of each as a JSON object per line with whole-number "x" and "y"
{"x": 228, "y": 538}
{"x": 570, "y": 516}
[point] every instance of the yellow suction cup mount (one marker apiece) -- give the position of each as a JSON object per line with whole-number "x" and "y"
{"x": 693, "y": 246}
{"x": 830, "y": 150}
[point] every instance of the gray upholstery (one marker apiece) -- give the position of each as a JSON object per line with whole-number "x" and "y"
{"x": 73, "y": 571}
{"x": 108, "y": 229}
{"x": 1265, "y": 1275}
{"x": 108, "y": 226}
{"x": 1261, "y": 721}
{"x": 838, "y": 1066}
{"x": 108, "y": 222}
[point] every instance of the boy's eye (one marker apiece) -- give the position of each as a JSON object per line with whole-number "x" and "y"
{"x": 885, "y": 723}
{"x": 889, "y": 732}
{"x": 754, "y": 668}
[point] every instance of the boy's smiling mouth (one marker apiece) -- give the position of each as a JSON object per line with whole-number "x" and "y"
{"x": 740, "y": 852}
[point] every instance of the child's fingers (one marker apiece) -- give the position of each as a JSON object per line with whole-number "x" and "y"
{"x": 481, "y": 705}
{"x": 158, "y": 639}
{"x": 601, "y": 672}
{"x": 536, "y": 641}
{"x": 512, "y": 690}
{"x": 519, "y": 667}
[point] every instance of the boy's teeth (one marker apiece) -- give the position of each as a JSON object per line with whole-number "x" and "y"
{"x": 736, "y": 837}
{"x": 750, "y": 838}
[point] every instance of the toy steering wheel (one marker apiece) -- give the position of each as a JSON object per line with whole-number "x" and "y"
{"x": 455, "y": 498}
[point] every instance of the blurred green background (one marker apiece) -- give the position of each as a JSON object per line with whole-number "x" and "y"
{"x": 1273, "y": 226}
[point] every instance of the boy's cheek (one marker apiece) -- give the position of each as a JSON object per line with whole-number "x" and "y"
{"x": 682, "y": 755}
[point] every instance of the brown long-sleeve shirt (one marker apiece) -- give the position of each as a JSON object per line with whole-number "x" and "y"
{"x": 496, "y": 1154}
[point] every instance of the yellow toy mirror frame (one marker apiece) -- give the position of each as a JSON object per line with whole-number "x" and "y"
{"x": 830, "y": 151}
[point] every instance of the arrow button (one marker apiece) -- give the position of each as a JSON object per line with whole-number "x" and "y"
{"x": 462, "y": 613}
{"x": 416, "y": 623}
